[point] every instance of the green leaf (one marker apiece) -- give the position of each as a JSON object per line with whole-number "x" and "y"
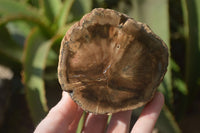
{"x": 51, "y": 8}
{"x": 8, "y": 47}
{"x": 80, "y": 8}
{"x": 8, "y": 8}
{"x": 81, "y": 123}
{"x": 166, "y": 122}
{"x": 155, "y": 14}
{"x": 64, "y": 12}
{"x": 35, "y": 55}
{"x": 19, "y": 30}
{"x": 178, "y": 82}
{"x": 181, "y": 86}
{"x": 191, "y": 14}
{"x": 52, "y": 59}
{"x": 35, "y": 3}
{"x": 175, "y": 66}
{"x": 13, "y": 10}
{"x": 86, "y": 5}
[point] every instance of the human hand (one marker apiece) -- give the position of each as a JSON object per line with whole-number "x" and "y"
{"x": 65, "y": 116}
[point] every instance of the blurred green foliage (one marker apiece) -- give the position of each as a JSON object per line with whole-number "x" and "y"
{"x": 31, "y": 32}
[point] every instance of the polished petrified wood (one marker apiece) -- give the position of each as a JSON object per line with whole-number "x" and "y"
{"x": 109, "y": 62}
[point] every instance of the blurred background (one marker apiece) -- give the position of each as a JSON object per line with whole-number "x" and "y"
{"x": 30, "y": 36}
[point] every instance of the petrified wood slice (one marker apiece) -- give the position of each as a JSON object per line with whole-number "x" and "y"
{"x": 109, "y": 62}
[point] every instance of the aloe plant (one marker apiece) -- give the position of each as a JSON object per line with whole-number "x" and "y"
{"x": 46, "y": 23}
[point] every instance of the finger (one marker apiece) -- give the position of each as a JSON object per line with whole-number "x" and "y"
{"x": 119, "y": 122}
{"x": 149, "y": 115}
{"x": 60, "y": 116}
{"x": 73, "y": 126}
{"x": 95, "y": 123}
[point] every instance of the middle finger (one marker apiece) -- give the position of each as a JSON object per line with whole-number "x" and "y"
{"x": 95, "y": 123}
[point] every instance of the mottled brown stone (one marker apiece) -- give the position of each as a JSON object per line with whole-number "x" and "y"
{"x": 109, "y": 62}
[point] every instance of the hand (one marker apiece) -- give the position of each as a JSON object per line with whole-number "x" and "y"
{"x": 64, "y": 118}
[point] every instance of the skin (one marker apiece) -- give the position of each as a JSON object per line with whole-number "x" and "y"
{"x": 64, "y": 118}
